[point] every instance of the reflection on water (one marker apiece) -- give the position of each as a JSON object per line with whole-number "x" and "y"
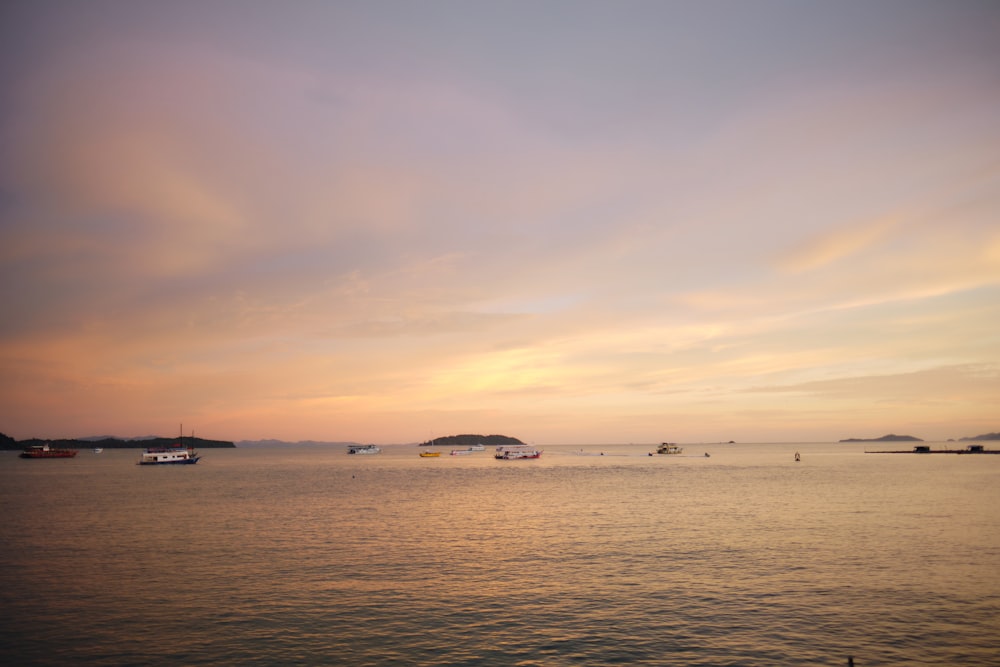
{"x": 310, "y": 556}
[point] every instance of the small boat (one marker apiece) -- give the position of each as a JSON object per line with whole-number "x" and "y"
{"x": 46, "y": 452}
{"x": 427, "y": 455}
{"x": 168, "y": 456}
{"x": 669, "y": 448}
{"x": 511, "y": 452}
{"x": 477, "y": 448}
{"x": 364, "y": 449}
{"x": 98, "y": 450}
{"x": 470, "y": 450}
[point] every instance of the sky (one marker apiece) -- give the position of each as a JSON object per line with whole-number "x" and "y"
{"x": 565, "y": 221}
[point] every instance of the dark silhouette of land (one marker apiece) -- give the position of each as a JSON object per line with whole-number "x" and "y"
{"x": 8, "y": 443}
{"x": 468, "y": 440}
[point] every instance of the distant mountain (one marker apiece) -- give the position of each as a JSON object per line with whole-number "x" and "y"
{"x": 985, "y": 436}
{"x": 892, "y": 437}
{"x": 468, "y": 440}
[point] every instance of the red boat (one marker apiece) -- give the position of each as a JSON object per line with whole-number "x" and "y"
{"x": 46, "y": 452}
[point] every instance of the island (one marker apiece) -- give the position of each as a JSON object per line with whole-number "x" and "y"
{"x": 109, "y": 442}
{"x": 470, "y": 440}
{"x": 891, "y": 437}
{"x": 984, "y": 436}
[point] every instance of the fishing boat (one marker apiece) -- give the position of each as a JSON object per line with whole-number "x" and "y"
{"x": 669, "y": 448}
{"x": 168, "y": 456}
{"x": 427, "y": 455}
{"x": 46, "y": 452}
{"x": 511, "y": 452}
{"x": 364, "y": 449}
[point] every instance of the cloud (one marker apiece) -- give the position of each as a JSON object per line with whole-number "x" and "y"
{"x": 955, "y": 385}
{"x": 836, "y": 245}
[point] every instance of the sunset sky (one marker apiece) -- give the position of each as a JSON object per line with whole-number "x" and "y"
{"x": 565, "y": 221}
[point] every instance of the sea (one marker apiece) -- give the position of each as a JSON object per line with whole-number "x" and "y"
{"x": 728, "y": 554}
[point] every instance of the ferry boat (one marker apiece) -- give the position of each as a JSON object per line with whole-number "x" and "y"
{"x": 46, "y": 452}
{"x": 168, "y": 456}
{"x": 511, "y": 452}
{"x": 669, "y": 448}
{"x": 364, "y": 449}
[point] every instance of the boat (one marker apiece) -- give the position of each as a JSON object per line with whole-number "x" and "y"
{"x": 511, "y": 452}
{"x": 477, "y": 448}
{"x": 364, "y": 449}
{"x": 470, "y": 450}
{"x": 669, "y": 448}
{"x": 168, "y": 456}
{"x": 428, "y": 455}
{"x": 46, "y": 452}
{"x": 98, "y": 450}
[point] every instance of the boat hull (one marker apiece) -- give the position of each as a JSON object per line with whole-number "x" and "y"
{"x": 190, "y": 461}
{"x": 51, "y": 454}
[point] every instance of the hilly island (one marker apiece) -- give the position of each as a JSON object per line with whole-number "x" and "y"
{"x": 469, "y": 440}
{"x": 109, "y": 442}
{"x": 892, "y": 437}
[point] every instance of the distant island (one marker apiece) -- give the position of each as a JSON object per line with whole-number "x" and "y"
{"x": 468, "y": 440}
{"x": 892, "y": 437}
{"x": 108, "y": 442}
{"x": 985, "y": 436}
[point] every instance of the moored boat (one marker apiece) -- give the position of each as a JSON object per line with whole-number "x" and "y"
{"x": 669, "y": 448}
{"x": 168, "y": 456}
{"x": 364, "y": 449}
{"x": 470, "y": 450}
{"x": 427, "y": 455}
{"x": 511, "y": 452}
{"x": 46, "y": 452}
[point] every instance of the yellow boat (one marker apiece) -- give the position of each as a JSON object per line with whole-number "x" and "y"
{"x": 429, "y": 454}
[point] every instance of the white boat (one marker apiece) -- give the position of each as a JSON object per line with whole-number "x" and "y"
{"x": 669, "y": 448}
{"x": 168, "y": 456}
{"x": 511, "y": 452}
{"x": 98, "y": 450}
{"x": 468, "y": 450}
{"x": 364, "y": 449}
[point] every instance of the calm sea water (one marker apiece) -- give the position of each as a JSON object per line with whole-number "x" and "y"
{"x": 309, "y": 556}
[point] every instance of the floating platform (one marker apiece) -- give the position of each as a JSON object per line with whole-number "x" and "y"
{"x": 926, "y": 449}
